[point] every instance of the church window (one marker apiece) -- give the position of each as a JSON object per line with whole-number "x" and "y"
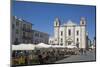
{"x": 77, "y": 32}
{"x": 82, "y": 22}
{"x": 61, "y": 40}
{"x": 61, "y": 33}
{"x": 56, "y": 23}
{"x": 77, "y": 39}
{"x": 69, "y": 32}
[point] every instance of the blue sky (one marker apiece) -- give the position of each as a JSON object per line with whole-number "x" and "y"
{"x": 42, "y": 15}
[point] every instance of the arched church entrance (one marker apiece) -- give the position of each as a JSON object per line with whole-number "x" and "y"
{"x": 69, "y": 41}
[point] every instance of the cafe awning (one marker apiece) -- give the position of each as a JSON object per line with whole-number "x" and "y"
{"x": 23, "y": 47}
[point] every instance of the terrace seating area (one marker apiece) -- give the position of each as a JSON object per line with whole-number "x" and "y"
{"x": 40, "y": 54}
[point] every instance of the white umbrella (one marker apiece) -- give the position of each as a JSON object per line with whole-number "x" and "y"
{"x": 23, "y": 47}
{"x": 42, "y": 45}
{"x": 71, "y": 46}
{"x": 63, "y": 46}
{"x": 56, "y": 46}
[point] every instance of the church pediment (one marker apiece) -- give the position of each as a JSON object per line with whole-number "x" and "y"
{"x": 69, "y": 23}
{"x": 69, "y": 40}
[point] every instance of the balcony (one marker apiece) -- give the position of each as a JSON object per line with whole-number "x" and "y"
{"x": 27, "y": 30}
{"x": 27, "y": 37}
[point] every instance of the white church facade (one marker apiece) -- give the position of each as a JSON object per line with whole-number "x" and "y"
{"x": 69, "y": 33}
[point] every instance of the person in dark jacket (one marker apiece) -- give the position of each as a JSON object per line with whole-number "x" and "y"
{"x": 40, "y": 59}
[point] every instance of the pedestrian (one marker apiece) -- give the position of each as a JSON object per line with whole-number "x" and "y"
{"x": 26, "y": 60}
{"x": 85, "y": 52}
{"x": 40, "y": 59}
{"x": 81, "y": 51}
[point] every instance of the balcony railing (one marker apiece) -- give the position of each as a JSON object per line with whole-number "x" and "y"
{"x": 27, "y": 30}
{"x": 27, "y": 37}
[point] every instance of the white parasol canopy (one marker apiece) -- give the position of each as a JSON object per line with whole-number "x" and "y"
{"x": 63, "y": 46}
{"x": 43, "y": 45}
{"x": 56, "y": 46}
{"x": 23, "y": 47}
{"x": 71, "y": 46}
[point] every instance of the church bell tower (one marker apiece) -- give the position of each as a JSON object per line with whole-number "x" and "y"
{"x": 56, "y": 30}
{"x": 83, "y": 33}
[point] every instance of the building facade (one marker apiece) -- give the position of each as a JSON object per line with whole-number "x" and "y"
{"x": 69, "y": 33}
{"x": 51, "y": 40}
{"x": 21, "y": 31}
{"x": 88, "y": 41}
{"x": 40, "y": 37}
{"x": 94, "y": 42}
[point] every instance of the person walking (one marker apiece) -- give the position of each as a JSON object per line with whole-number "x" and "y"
{"x": 40, "y": 59}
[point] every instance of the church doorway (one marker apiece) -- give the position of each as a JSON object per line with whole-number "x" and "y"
{"x": 77, "y": 45}
{"x": 69, "y": 43}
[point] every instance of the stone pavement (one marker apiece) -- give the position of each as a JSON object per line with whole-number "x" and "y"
{"x": 89, "y": 56}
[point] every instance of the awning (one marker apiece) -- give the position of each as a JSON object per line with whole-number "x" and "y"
{"x": 71, "y": 46}
{"x": 23, "y": 47}
{"x": 43, "y": 45}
